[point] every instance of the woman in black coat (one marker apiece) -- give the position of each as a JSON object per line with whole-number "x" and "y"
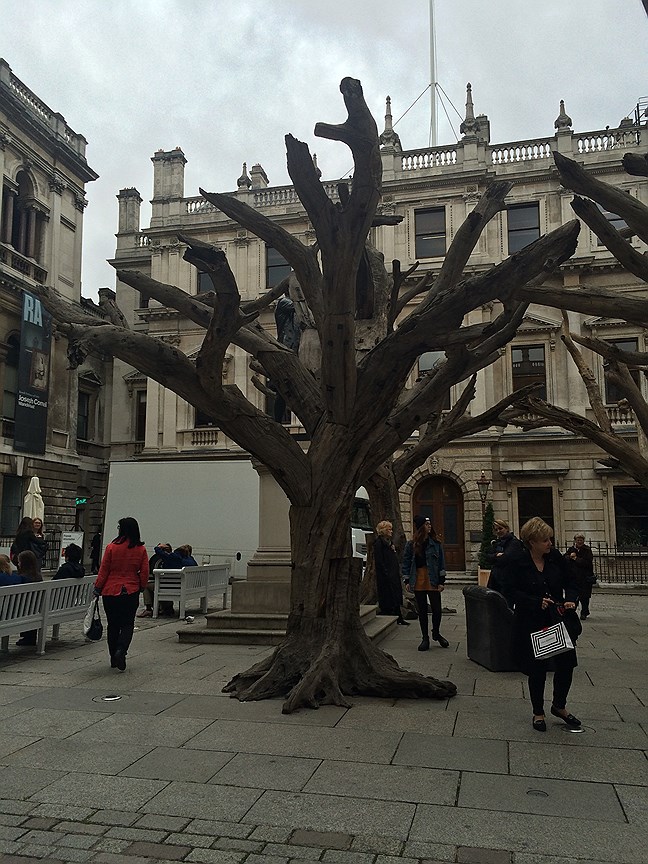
{"x": 388, "y": 581}
{"x": 26, "y": 540}
{"x": 545, "y": 592}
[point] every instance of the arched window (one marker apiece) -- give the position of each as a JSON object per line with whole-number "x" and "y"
{"x": 24, "y": 224}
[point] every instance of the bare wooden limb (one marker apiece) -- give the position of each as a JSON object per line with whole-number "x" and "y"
{"x": 588, "y": 378}
{"x": 422, "y": 285}
{"x": 301, "y": 258}
{"x": 573, "y": 176}
{"x": 629, "y": 459}
{"x": 195, "y": 310}
{"x": 632, "y": 260}
{"x": 619, "y": 374}
{"x": 262, "y": 302}
{"x": 589, "y": 301}
{"x": 64, "y": 311}
{"x": 632, "y": 359}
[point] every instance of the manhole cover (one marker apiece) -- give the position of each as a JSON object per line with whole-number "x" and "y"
{"x": 112, "y": 697}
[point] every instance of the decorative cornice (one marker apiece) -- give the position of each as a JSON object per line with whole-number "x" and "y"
{"x": 57, "y": 184}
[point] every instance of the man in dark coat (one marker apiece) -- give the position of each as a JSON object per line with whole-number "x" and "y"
{"x": 581, "y": 556}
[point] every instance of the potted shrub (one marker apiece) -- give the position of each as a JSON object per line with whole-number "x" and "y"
{"x": 488, "y": 535}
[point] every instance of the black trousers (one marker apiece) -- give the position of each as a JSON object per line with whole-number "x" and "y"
{"x": 120, "y": 615}
{"x": 421, "y": 605}
{"x": 562, "y": 679}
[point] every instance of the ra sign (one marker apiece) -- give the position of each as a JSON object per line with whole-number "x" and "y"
{"x": 32, "y": 398}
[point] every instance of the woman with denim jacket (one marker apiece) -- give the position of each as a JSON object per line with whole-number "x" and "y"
{"x": 424, "y": 569}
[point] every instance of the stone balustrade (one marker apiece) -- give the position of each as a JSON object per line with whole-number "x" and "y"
{"x": 26, "y": 266}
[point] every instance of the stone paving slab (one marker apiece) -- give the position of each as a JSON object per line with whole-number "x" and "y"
{"x": 203, "y": 801}
{"x": 157, "y": 731}
{"x": 22, "y": 782}
{"x": 459, "y": 754}
{"x": 405, "y": 714}
{"x": 88, "y": 700}
{"x": 97, "y": 790}
{"x": 174, "y": 763}
{"x": 306, "y": 741}
{"x": 50, "y": 722}
{"x": 289, "y": 773}
{"x": 331, "y": 813}
{"x": 576, "y": 800}
{"x": 634, "y": 800}
{"x": 619, "y": 843}
{"x": 67, "y": 755}
{"x": 521, "y": 708}
{"x": 268, "y": 711}
{"x": 596, "y": 764}
{"x": 16, "y": 742}
{"x": 386, "y": 782}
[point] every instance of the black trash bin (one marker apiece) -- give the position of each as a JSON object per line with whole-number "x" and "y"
{"x": 489, "y": 625}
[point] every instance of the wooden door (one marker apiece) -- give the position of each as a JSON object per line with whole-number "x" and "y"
{"x": 441, "y": 499}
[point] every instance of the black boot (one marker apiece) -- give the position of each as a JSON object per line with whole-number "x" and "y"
{"x": 401, "y": 620}
{"x": 441, "y": 640}
{"x": 425, "y": 644}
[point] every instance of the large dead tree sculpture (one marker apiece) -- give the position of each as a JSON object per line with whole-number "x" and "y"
{"x": 356, "y": 409}
{"x": 622, "y": 452}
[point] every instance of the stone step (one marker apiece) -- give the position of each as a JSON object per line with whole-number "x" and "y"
{"x": 228, "y": 628}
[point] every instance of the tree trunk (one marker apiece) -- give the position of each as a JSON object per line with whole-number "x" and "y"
{"x": 326, "y": 656}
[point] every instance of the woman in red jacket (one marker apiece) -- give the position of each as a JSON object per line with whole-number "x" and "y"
{"x": 122, "y": 575}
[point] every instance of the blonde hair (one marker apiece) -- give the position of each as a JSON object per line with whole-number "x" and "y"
{"x": 5, "y": 564}
{"x": 535, "y": 529}
{"x": 381, "y": 527}
{"x": 576, "y": 536}
{"x": 502, "y": 523}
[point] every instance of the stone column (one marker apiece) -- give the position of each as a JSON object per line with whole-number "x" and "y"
{"x": 7, "y": 218}
{"x": 31, "y": 233}
{"x": 267, "y": 589}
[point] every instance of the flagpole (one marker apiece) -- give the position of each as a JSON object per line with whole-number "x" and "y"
{"x": 433, "y": 81}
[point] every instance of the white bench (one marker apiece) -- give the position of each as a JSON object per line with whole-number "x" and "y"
{"x": 190, "y": 583}
{"x": 39, "y": 605}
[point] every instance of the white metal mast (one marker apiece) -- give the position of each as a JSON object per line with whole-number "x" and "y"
{"x": 433, "y": 81}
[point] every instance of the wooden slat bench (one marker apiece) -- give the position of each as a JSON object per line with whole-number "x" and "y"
{"x": 190, "y": 583}
{"x": 39, "y": 605}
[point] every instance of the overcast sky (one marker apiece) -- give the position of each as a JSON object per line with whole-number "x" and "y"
{"x": 226, "y": 80}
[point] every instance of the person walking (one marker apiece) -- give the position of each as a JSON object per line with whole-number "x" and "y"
{"x": 581, "y": 554}
{"x": 505, "y": 545}
{"x": 122, "y": 575}
{"x": 544, "y": 592}
{"x": 424, "y": 569}
{"x": 388, "y": 581}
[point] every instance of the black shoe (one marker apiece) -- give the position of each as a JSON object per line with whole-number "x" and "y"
{"x": 539, "y": 725}
{"x": 584, "y": 615}
{"x": 441, "y": 640}
{"x": 425, "y": 644}
{"x": 402, "y": 622}
{"x": 119, "y": 659}
{"x": 22, "y": 642}
{"x": 570, "y": 720}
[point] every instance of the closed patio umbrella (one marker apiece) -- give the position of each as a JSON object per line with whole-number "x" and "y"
{"x": 33, "y": 505}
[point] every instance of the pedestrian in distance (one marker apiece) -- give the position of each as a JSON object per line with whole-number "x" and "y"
{"x": 505, "y": 545}
{"x": 122, "y": 575}
{"x": 424, "y": 569}
{"x": 95, "y": 551}
{"x": 72, "y": 569}
{"x": 27, "y": 541}
{"x": 581, "y": 556}
{"x": 545, "y": 593}
{"x": 388, "y": 580}
{"x": 29, "y": 571}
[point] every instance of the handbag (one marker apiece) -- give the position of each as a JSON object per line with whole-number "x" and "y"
{"x": 92, "y": 624}
{"x": 551, "y": 641}
{"x": 591, "y": 579}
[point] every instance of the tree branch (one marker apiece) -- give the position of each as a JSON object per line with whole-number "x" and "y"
{"x": 588, "y": 378}
{"x": 632, "y": 260}
{"x": 589, "y": 301}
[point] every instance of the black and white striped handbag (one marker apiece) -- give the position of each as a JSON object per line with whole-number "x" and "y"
{"x": 551, "y": 641}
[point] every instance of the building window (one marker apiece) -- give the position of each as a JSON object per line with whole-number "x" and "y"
{"x": 277, "y": 268}
{"x": 430, "y": 233}
{"x": 428, "y": 362}
{"x": 12, "y": 502}
{"x": 201, "y": 419}
{"x": 612, "y": 392}
{"x": 11, "y": 378}
{"x": 83, "y": 416}
{"x": 140, "y": 415}
{"x": 631, "y": 515}
{"x": 535, "y": 501}
{"x": 614, "y": 220}
{"x": 204, "y": 283}
{"x": 523, "y": 225}
{"x": 528, "y": 364}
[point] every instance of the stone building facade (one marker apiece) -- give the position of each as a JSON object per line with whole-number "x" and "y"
{"x": 42, "y": 199}
{"x": 546, "y": 472}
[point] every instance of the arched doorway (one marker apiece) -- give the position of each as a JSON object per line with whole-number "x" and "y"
{"x": 441, "y": 499}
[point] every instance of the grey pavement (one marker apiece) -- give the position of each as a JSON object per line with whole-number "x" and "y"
{"x": 175, "y": 770}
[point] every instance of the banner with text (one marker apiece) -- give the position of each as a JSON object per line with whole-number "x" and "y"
{"x": 30, "y": 433}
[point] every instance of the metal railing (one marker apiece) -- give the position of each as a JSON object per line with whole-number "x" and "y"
{"x": 53, "y": 540}
{"x": 619, "y": 564}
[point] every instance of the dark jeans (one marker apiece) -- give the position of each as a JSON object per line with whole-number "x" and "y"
{"x": 120, "y": 615}
{"x": 421, "y": 605}
{"x": 562, "y": 679}
{"x": 584, "y": 604}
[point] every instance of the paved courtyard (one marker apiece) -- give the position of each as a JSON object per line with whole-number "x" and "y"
{"x": 175, "y": 770}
